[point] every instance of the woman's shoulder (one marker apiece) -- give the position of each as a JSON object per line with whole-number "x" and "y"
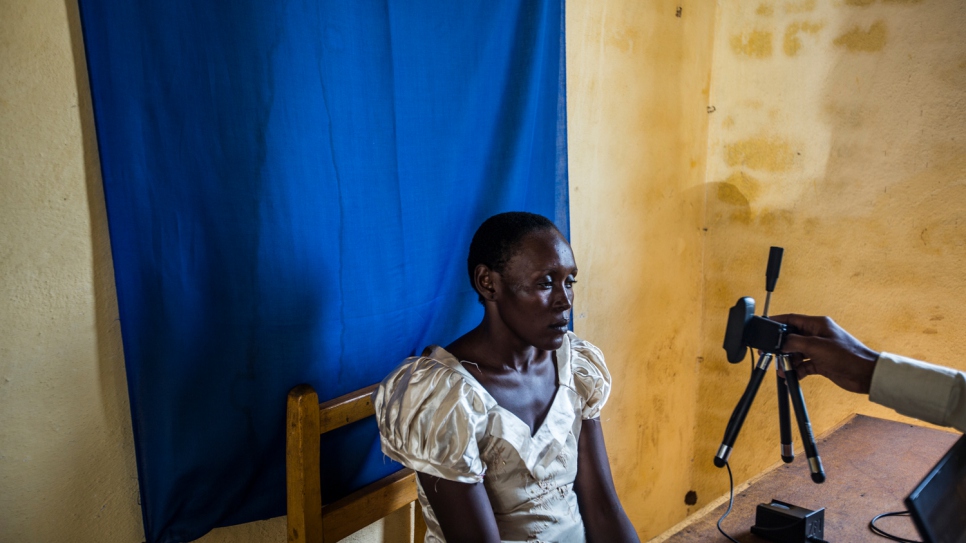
{"x": 586, "y": 357}
{"x": 431, "y": 415}
{"x": 435, "y": 372}
{"x": 592, "y": 380}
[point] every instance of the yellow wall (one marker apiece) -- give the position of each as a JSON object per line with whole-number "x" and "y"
{"x": 637, "y": 91}
{"x": 66, "y": 449}
{"x": 839, "y": 132}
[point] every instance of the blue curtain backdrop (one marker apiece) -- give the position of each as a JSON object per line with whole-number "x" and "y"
{"x": 291, "y": 189}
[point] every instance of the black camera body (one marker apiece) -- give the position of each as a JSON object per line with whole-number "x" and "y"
{"x": 745, "y": 329}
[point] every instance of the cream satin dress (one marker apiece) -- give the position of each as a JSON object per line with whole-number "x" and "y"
{"x": 436, "y": 418}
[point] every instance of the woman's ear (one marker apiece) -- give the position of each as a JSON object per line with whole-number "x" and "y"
{"x": 484, "y": 281}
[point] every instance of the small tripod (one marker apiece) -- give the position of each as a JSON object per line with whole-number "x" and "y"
{"x": 746, "y": 330}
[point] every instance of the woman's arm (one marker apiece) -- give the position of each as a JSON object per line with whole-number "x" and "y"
{"x": 604, "y": 517}
{"x": 463, "y": 510}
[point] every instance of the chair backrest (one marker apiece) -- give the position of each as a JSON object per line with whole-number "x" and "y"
{"x": 308, "y": 520}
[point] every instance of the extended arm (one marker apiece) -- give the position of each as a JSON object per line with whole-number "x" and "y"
{"x": 604, "y": 517}
{"x": 462, "y": 509}
{"x": 927, "y": 392}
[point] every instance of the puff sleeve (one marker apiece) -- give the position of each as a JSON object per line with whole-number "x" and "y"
{"x": 591, "y": 379}
{"x": 431, "y": 420}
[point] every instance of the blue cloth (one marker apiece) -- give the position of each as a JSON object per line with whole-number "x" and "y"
{"x": 291, "y": 189}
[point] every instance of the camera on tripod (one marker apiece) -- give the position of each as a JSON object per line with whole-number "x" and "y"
{"x": 745, "y": 329}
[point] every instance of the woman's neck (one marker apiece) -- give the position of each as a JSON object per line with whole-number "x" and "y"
{"x": 497, "y": 348}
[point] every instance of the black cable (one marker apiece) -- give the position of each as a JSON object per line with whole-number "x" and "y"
{"x": 731, "y": 501}
{"x": 882, "y": 533}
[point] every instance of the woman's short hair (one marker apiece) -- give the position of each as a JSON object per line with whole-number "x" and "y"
{"x": 498, "y": 238}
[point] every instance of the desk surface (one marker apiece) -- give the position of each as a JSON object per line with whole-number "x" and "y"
{"x": 871, "y": 464}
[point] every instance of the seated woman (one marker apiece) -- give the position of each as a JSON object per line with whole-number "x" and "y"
{"x": 503, "y": 425}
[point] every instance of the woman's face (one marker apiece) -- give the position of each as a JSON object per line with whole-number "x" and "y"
{"x": 535, "y": 291}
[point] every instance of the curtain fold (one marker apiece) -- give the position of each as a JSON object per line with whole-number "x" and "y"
{"x": 291, "y": 190}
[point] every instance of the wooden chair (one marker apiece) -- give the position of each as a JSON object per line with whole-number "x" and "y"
{"x": 308, "y": 520}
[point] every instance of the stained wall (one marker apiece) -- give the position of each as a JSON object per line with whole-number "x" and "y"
{"x": 839, "y": 132}
{"x": 638, "y": 76}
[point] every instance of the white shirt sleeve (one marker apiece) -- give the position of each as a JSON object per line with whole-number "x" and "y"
{"x": 917, "y": 389}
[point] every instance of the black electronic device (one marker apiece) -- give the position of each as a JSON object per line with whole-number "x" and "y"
{"x": 938, "y": 504}
{"x": 786, "y": 523}
{"x": 746, "y": 330}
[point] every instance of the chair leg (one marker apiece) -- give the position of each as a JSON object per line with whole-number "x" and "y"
{"x": 419, "y": 524}
{"x": 302, "y": 471}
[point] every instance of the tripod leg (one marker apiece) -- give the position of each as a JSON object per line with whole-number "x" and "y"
{"x": 741, "y": 411}
{"x": 804, "y": 424}
{"x": 784, "y": 422}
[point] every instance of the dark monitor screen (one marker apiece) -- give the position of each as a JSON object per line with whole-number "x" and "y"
{"x": 938, "y": 504}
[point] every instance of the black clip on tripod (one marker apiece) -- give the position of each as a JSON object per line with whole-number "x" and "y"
{"x": 746, "y": 330}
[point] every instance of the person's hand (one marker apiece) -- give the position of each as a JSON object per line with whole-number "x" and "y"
{"x": 819, "y": 346}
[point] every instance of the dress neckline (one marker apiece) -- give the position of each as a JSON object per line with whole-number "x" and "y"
{"x": 564, "y": 382}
